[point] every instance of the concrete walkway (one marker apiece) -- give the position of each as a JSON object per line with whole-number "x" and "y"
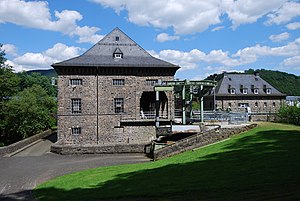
{"x": 20, "y": 174}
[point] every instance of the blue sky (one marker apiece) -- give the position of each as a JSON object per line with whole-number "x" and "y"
{"x": 203, "y": 37}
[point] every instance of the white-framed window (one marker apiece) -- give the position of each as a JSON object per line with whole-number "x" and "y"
{"x": 151, "y": 82}
{"x": 256, "y": 104}
{"x": 76, "y": 130}
{"x": 75, "y": 82}
{"x": 268, "y": 91}
{"x": 265, "y": 104}
{"x": 118, "y": 56}
{"x": 255, "y": 91}
{"x": 243, "y": 105}
{"x": 119, "y": 105}
{"x": 245, "y": 91}
{"x": 117, "y": 38}
{"x": 118, "y": 82}
{"x": 232, "y": 91}
{"x": 76, "y": 105}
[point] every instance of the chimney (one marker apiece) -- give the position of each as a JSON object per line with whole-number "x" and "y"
{"x": 256, "y": 73}
{"x": 224, "y": 74}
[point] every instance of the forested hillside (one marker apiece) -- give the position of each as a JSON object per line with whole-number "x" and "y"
{"x": 47, "y": 73}
{"x": 286, "y": 83}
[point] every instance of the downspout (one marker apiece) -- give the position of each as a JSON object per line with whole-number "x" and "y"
{"x": 97, "y": 115}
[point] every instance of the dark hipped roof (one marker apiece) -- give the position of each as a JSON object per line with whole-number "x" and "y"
{"x": 248, "y": 81}
{"x": 101, "y": 54}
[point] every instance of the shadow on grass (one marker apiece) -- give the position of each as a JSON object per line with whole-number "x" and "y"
{"x": 263, "y": 166}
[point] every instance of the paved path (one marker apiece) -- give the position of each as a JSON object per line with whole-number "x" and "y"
{"x": 19, "y": 175}
{"x": 40, "y": 147}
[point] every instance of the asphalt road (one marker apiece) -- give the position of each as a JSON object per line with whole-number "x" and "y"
{"x": 24, "y": 171}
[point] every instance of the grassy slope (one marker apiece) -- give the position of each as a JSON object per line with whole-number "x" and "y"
{"x": 262, "y": 164}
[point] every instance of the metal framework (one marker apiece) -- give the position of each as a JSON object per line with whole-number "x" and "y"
{"x": 201, "y": 86}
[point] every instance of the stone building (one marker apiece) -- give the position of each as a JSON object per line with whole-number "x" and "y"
{"x": 106, "y": 95}
{"x": 245, "y": 92}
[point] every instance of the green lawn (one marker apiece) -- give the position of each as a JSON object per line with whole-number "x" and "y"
{"x": 261, "y": 164}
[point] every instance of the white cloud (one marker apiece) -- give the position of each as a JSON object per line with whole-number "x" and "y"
{"x": 43, "y": 60}
{"x": 293, "y": 26}
{"x": 61, "y": 52}
{"x": 188, "y": 17}
{"x": 245, "y": 11}
{"x": 184, "y": 16}
{"x": 226, "y": 61}
{"x": 9, "y": 49}
{"x": 251, "y": 54}
{"x": 16, "y": 67}
{"x": 293, "y": 61}
{"x": 36, "y": 14}
{"x": 187, "y": 60}
{"x": 217, "y": 28}
{"x": 285, "y": 13}
{"x": 163, "y": 37}
{"x": 279, "y": 37}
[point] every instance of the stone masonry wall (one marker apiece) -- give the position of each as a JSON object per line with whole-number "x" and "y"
{"x": 87, "y": 92}
{"x": 109, "y": 130}
{"x": 198, "y": 140}
{"x": 256, "y": 105}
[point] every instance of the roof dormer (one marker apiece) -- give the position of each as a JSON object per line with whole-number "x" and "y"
{"x": 231, "y": 89}
{"x": 118, "y": 54}
{"x": 267, "y": 89}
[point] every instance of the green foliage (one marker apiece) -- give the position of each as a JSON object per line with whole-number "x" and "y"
{"x": 9, "y": 81}
{"x": 28, "y": 112}
{"x": 196, "y": 105}
{"x": 2, "y": 56}
{"x": 290, "y": 114}
{"x": 27, "y": 103}
{"x": 284, "y": 82}
{"x": 250, "y": 166}
{"x": 30, "y": 79}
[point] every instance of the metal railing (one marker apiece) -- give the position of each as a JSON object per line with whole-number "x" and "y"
{"x": 221, "y": 116}
{"x": 144, "y": 115}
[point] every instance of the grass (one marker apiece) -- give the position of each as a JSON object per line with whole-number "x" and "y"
{"x": 261, "y": 164}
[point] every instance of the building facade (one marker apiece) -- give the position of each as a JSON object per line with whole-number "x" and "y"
{"x": 106, "y": 95}
{"x": 245, "y": 92}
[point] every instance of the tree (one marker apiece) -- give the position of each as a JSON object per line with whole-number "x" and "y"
{"x": 28, "y": 80}
{"x": 27, "y": 113}
{"x": 9, "y": 81}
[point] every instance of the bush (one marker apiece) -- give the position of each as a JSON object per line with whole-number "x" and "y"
{"x": 290, "y": 114}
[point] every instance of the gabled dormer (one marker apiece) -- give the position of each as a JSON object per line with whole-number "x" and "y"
{"x": 118, "y": 54}
{"x": 244, "y": 90}
{"x": 254, "y": 89}
{"x": 231, "y": 89}
{"x": 267, "y": 90}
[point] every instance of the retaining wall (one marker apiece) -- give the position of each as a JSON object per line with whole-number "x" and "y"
{"x": 97, "y": 149}
{"x": 19, "y": 145}
{"x": 199, "y": 140}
